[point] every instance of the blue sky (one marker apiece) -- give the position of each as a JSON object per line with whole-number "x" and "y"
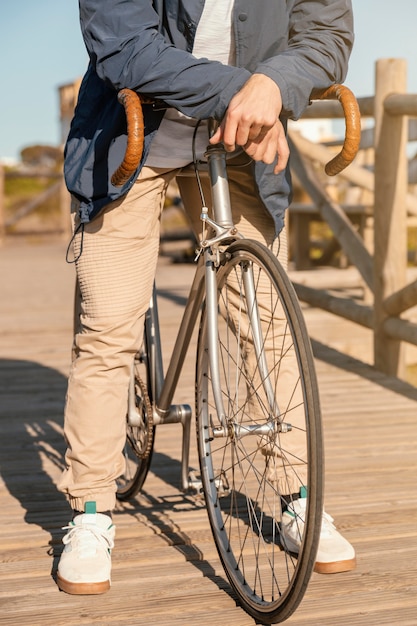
{"x": 41, "y": 48}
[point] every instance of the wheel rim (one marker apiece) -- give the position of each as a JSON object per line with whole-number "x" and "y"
{"x": 244, "y": 504}
{"x": 139, "y": 439}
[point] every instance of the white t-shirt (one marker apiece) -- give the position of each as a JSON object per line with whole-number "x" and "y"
{"x": 172, "y": 145}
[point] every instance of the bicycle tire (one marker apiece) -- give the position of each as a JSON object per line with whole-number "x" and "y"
{"x": 244, "y": 500}
{"x": 140, "y": 437}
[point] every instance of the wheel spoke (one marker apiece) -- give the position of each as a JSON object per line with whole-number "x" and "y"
{"x": 139, "y": 435}
{"x": 250, "y": 475}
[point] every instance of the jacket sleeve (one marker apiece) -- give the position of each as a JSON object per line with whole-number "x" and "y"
{"x": 127, "y": 50}
{"x": 319, "y": 45}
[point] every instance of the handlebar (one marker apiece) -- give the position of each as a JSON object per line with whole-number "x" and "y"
{"x": 132, "y": 103}
{"x": 353, "y": 127}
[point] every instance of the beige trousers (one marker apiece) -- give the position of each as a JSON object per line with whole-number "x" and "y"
{"x": 115, "y": 271}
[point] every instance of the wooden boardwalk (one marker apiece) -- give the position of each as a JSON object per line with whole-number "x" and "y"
{"x": 165, "y": 569}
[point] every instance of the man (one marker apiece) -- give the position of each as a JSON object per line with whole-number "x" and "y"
{"x": 250, "y": 65}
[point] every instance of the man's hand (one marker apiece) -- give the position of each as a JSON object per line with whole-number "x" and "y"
{"x": 251, "y": 121}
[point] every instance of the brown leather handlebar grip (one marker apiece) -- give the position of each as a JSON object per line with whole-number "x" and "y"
{"x": 132, "y": 103}
{"x": 353, "y": 127}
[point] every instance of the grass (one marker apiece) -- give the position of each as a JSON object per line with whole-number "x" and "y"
{"x": 19, "y": 190}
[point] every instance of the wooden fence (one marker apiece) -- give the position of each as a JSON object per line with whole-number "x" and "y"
{"x": 56, "y": 191}
{"x": 383, "y": 268}
{"x": 382, "y": 262}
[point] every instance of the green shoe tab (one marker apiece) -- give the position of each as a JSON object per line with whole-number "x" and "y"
{"x": 303, "y": 492}
{"x": 90, "y": 508}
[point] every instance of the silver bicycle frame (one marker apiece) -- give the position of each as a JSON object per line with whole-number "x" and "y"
{"x": 162, "y": 387}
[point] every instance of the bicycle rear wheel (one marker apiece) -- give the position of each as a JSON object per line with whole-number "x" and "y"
{"x": 140, "y": 431}
{"x": 268, "y": 446}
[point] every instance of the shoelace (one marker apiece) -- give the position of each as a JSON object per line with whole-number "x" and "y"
{"x": 85, "y": 539}
{"x": 327, "y": 525}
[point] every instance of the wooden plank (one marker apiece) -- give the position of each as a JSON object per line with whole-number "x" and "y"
{"x": 165, "y": 567}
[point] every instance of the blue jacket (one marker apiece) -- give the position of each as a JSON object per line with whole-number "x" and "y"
{"x": 146, "y": 45}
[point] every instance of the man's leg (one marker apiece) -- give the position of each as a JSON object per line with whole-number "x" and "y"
{"x": 117, "y": 255}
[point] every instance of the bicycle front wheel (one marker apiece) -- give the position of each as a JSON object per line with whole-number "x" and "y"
{"x": 260, "y": 447}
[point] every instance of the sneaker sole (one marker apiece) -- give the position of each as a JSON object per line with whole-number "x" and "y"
{"x": 335, "y": 567}
{"x": 82, "y": 589}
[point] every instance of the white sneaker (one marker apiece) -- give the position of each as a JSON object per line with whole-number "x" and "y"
{"x": 85, "y": 563}
{"x": 334, "y": 554}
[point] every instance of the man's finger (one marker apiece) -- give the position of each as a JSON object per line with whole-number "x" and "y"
{"x": 229, "y": 132}
{"x": 217, "y": 137}
{"x": 256, "y": 131}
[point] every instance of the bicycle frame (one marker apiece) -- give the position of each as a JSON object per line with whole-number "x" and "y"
{"x": 250, "y": 475}
{"x": 204, "y": 284}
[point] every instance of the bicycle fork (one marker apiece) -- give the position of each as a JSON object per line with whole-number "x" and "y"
{"x": 268, "y": 428}
{"x": 224, "y": 230}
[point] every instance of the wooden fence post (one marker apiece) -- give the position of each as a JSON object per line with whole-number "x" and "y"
{"x": 390, "y": 223}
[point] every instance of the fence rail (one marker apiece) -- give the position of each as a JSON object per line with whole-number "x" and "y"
{"x": 57, "y": 190}
{"x": 382, "y": 264}
{"x": 384, "y": 267}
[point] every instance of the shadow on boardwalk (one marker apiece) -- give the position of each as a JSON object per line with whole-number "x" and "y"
{"x": 32, "y": 440}
{"x": 32, "y": 452}
{"x": 366, "y": 371}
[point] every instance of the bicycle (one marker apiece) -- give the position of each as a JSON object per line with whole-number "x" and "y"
{"x": 256, "y": 437}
